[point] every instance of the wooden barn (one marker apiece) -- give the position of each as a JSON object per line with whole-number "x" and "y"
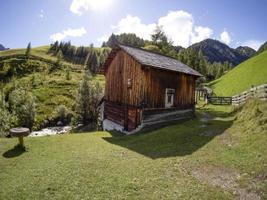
{"x": 144, "y": 88}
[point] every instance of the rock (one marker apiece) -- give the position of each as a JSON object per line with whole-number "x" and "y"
{"x": 59, "y": 123}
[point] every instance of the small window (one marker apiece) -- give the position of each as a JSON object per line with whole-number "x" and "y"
{"x": 169, "y": 97}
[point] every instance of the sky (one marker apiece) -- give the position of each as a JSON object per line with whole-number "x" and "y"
{"x": 41, "y": 22}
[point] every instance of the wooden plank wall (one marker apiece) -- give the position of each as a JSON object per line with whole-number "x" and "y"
{"x": 126, "y": 116}
{"x": 122, "y": 68}
{"x": 156, "y": 82}
{"x": 121, "y": 101}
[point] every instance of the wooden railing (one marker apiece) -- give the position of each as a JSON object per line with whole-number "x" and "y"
{"x": 220, "y": 100}
{"x": 259, "y": 92}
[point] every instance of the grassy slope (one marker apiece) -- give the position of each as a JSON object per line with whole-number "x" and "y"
{"x": 52, "y": 89}
{"x": 157, "y": 165}
{"x": 241, "y": 78}
{"x": 41, "y": 52}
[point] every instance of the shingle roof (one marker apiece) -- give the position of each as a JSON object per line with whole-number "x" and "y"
{"x": 152, "y": 59}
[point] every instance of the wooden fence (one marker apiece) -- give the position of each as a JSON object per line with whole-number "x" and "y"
{"x": 220, "y": 100}
{"x": 255, "y": 92}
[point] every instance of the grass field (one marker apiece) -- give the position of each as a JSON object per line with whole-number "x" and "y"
{"x": 242, "y": 77}
{"x": 217, "y": 155}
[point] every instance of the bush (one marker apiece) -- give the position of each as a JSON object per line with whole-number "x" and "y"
{"x": 7, "y": 121}
{"x": 88, "y": 97}
{"x": 63, "y": 114}
{"x": 21, "y": 102}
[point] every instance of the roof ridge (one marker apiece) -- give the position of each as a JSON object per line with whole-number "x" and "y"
{"x": 161, "y": 54}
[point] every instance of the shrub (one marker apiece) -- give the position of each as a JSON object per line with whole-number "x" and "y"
{"x": 7, "y": 120}
{"x": 63, "y": 114}
{"x": 21, "y": 102}
{"x": 88, "y": 97}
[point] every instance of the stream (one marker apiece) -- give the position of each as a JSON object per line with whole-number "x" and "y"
{"x": 51, "y": 131}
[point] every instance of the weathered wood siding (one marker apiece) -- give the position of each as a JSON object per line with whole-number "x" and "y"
{"x": 122, "y": 101}
{"x": 123, "y": 104}
{"x": 156, "y": 82}
{"x": 122, "y": 68}
{"x": 127, "y": 116}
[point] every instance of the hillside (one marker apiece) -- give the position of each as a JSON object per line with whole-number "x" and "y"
{"x": 262, "y": 48}
{"x": 241, "y": 78}
{"x": 41, "y": 75}
{"x": 215, "y": 51}
{"x": 220, "y": 158}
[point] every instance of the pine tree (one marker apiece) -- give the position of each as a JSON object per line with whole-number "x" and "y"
{"x": 59, "y": 58}
{"x": 94, "y": 63}
{"x": 83, "y": 100}
{"x": 28, "y": 50}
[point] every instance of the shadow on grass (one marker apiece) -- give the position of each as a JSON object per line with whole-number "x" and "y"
{"x": 177, "y": 140}
{"x": 15, "y": 152}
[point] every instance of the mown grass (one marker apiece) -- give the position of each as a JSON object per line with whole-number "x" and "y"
{"x": 241, "y": 78}
{"x": 155, "y": 165}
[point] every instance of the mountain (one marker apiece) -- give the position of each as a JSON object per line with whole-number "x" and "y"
{"x": 246, "y": 51}
{"x": 251, "y": 72}
{"x": 2, "y": 48}
{"x": 215, "y": 51}
{"x": 262, "y": 48}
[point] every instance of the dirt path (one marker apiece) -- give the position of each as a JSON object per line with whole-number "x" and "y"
{"x": 224, "y": 178}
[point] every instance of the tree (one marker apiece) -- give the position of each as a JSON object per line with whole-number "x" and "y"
{"x": 96, "y": 96}
{"x": 59, "y": 58}
{"x": 22, "y": 104}
{"x": 88, "y": 97}
{"x": 160, "y": 39}
{"x": 28, "y": 50}
{"x": 94, "y": 62}
{"x": 68, "y": 76}
{"x": 83, "y": 100}
{"x": 112, "y": 41}
{"x": 158, "y": 36}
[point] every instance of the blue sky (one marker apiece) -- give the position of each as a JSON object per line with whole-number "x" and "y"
{"x": 92, "y": 21}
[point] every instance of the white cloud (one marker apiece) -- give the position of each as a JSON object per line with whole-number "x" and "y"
{"x": 41, "y": 14}
{"x": 179, "y": 27}
{"x": 80, "y": 6}
{"x": 201, "y": 33}
{"x": 68, "y": 33}
{"x": 104, "y": 38}
{"x": 255, "y": 44}
{"x": 225, "y": 37}
{"x": 131, "y": 24}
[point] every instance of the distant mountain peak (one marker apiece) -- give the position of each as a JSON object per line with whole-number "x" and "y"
{"x": 246, "y": 51}
{"x": 216, "y": 51}
{"x": 2, "y": 48}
